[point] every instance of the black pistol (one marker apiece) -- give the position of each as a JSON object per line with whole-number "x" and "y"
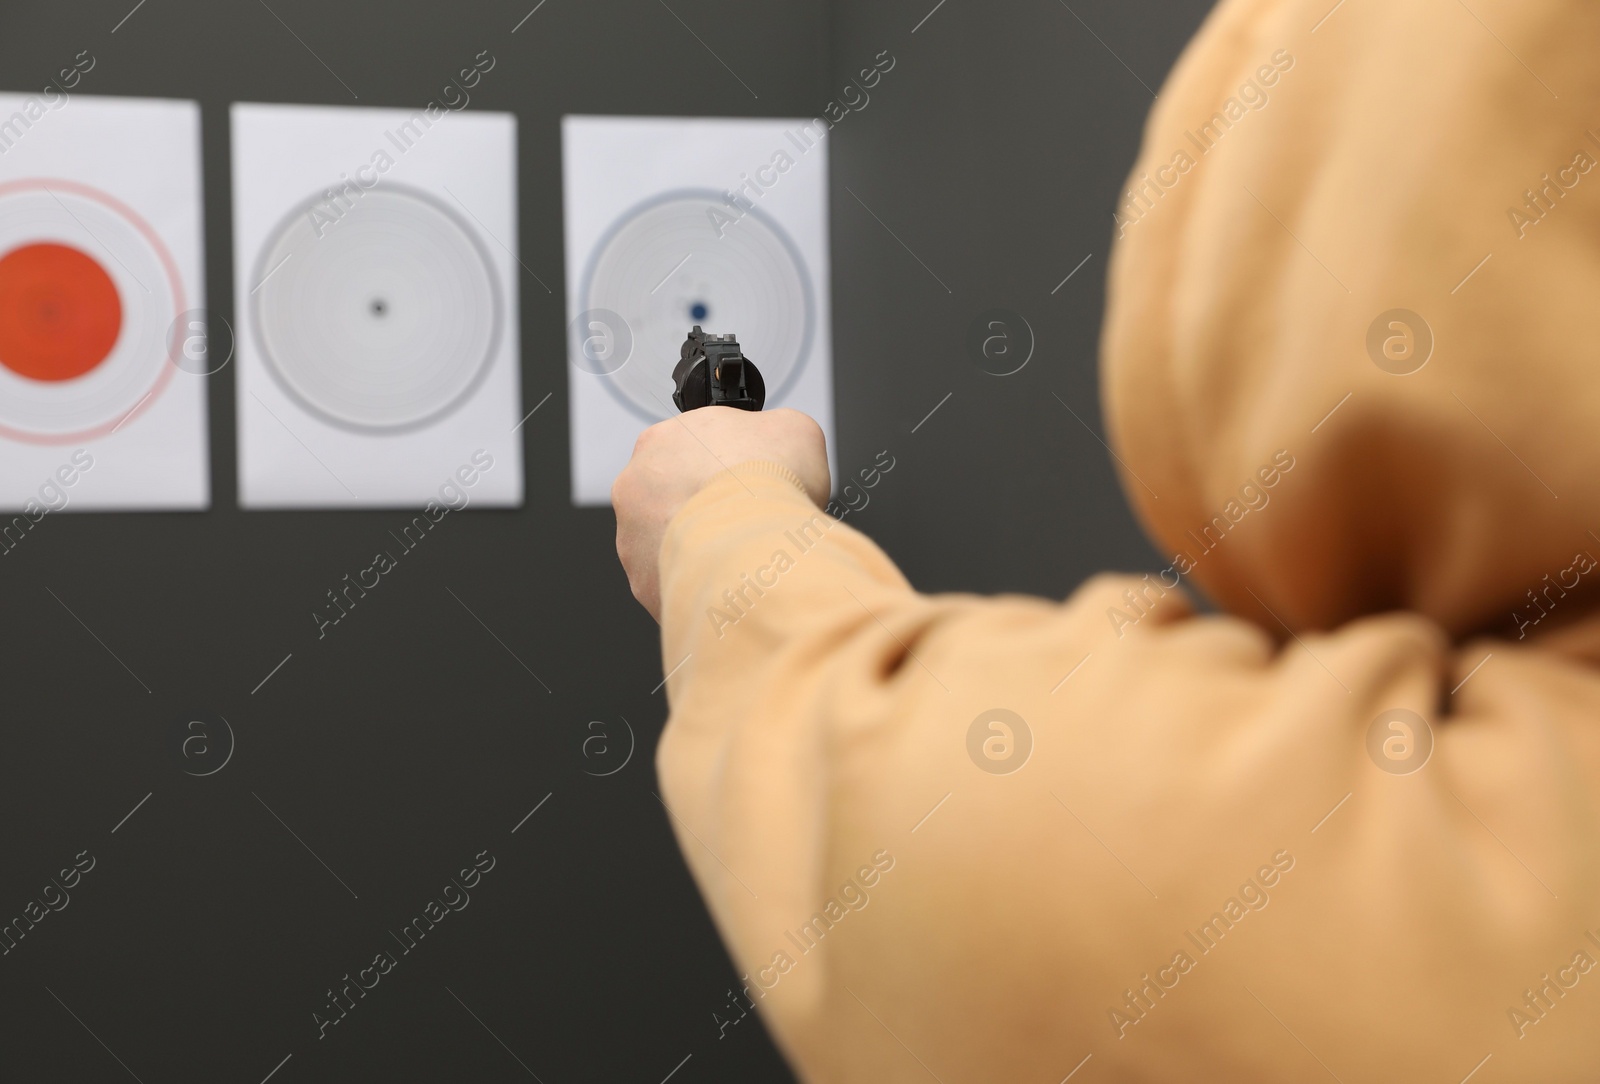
{"x": 712, "y": 371}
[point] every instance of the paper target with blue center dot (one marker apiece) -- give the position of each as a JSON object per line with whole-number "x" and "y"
{"x": 711, "y": 221}
{"x": 745, "y": 276}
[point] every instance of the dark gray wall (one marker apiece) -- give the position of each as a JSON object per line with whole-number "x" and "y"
{"x": 379, "y": 761}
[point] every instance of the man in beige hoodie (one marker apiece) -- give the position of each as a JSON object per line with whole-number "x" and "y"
{"x": 1350, "y": 828}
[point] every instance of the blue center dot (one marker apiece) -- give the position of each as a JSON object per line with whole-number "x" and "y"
{"x": 698, "y": 310}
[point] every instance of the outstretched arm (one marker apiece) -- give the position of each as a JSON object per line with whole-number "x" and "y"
{"x": 983, "y": 838}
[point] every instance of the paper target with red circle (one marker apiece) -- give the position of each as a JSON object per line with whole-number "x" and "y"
{"x": 88, "y": 298}
{"x": 100, "y": 291}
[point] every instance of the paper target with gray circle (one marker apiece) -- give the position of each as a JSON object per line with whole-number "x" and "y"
{"x": 100, "y": 282}
{"x": 377, "y": 299}
{"x": 385, "y": 324}
{"x": 704, "y": 228}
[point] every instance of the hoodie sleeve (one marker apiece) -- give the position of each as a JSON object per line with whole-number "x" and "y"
{"x": 984, "y": 838}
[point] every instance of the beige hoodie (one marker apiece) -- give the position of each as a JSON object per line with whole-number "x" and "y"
{"x": 1348, "y": 831}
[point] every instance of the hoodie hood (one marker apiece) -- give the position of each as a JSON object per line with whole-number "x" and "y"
{"x": 1351, "y": 361}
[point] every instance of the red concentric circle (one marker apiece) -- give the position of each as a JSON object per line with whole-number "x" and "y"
{"x": 163, "y": 371}
{"x": 59, "y": 312}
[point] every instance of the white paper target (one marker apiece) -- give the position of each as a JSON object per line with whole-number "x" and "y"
{"x": 664, "y": 267}
{"x": 102, "y": 305}
{"x": 677, "y": 221}
{"x": 387, "y": 320}
{"x": 377, "y": 284}
{"x": 86, "y": 318}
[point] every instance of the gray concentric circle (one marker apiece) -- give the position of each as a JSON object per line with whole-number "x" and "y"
{"x": 384, "y": 314}
{"x": 687, "y": 258}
